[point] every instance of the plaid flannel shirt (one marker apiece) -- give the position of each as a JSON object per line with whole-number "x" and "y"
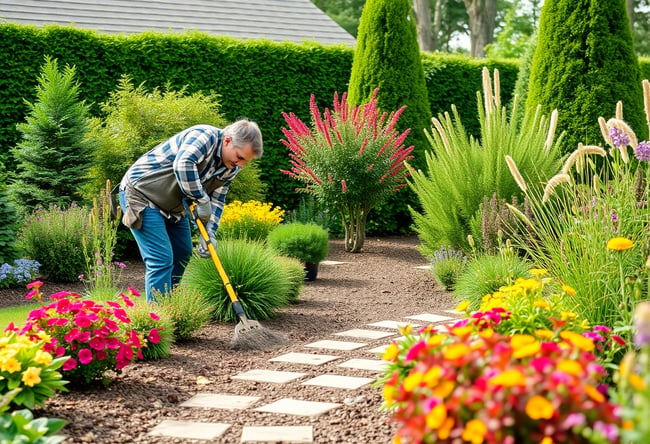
{"x": 186, "y": 150}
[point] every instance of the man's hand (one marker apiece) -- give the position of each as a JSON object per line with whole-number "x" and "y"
{"x": 202, "y": 248}
{"x": 204, "y": 211}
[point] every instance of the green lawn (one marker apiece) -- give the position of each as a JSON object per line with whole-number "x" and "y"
{"x": 17, "y": 315}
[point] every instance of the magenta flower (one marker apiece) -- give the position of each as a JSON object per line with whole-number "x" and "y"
{"x": 154, "y": 316}
{"x": 34, "y": 284}
{"x": 70, "y": 364}
{"x": 85, "y": 356}
{"x": 154, "y": 336}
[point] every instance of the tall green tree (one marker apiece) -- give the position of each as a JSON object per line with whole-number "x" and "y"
{"x": 55, "y": 154}
{"x": 584, "y": 63}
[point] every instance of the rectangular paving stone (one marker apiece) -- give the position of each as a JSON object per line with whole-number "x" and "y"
{"x": 220, "y": 401}
{"x": 297, "y": 407}
{"x": 189, "y": 429}
{"x": 339, "y": 381}
{"x": 364, "y": 334}
{"x": 304, "y": 358}
{"x": 375, "y": 365}
{"x": 378, "y": 350}
{"x": 393, "y": 324}
{"x": 261, "y": 375}
{"x": 332, "y": 263}
{"x": 428, "y": 317}
{"x": 336, "y": 345}
{"x": 278, "y": 434}
{"x": 424, "y": 267}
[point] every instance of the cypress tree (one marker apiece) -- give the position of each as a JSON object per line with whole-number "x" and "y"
{"x": 584, "y": 63}
{"x": 388, "y": 57}
{"x": 54, "y": 155}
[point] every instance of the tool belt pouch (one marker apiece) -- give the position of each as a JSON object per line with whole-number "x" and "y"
{"x": 114, "y": 205}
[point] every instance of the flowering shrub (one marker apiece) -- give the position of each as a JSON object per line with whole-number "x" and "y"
{"x": 249, "y": 220}
{"x": 633, "y": 381}
{"x": 95, "y": 337}
{"x": 18, "y": 274}
{"x": 461, "y": 386}
{"x": 351, "y": 159}
{"x": 25, "y": 365}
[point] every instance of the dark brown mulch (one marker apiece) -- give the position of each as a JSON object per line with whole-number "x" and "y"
{"x": 381, "y": 283}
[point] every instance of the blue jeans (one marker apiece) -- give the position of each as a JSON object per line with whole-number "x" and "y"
{"x": 165, "y": 246}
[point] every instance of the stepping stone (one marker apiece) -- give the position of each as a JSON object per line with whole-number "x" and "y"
{"x": 381, "y": 349}
{"x": 220, "y": 401}
{"x": 393, "y": 324}
{"x": 304, "y": 358}
{"x": 428, "y": 317}
{"x": 364, "y": 334}
{"x": 375, "y": 365}
{"x": 297, "y": 407}
{"x": 278, "y": 434}
{"x": 189, "y": 429}
{"x": 424, "y": 267}
{"x": 339, "y": 381}
{"x": 260, "y": 375}
{"x": 332, "y": 263}
{"x": 336, "y": 345}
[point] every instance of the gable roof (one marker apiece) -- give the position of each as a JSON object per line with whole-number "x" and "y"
{"x": 278, "y": 20}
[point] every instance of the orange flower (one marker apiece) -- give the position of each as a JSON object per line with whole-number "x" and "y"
{"x": 539, "y": 407}
{"x": 474, "y": 431}
{"x": 619, "y": 244}
{"x": 437, "y": 416}
{"x": 570, "y": 367}
{"x": 509, "y": 378}
{"x": 456, "y": 351}
{"x": 593, "y": 393}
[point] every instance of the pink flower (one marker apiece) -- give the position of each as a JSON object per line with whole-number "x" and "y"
{"x": 82, "y": 321}
{"x": 34, "y": 284}
{"x": 70, "y": 364}
{"x": 154, "y": 336}
{"x": 96, "y": 343}
{"x": 154, "y": 316}
{"x": 121, "y": 315}
{"x": 85, "y": 356}
{"x": 30, "y": 294}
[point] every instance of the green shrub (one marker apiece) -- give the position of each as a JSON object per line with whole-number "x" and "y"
{"x": 8, "y": 224}
{"x": 446, "y": 265}
{"x": 307, "y": 242}
{"x": 485, "y": 274}
{"x": 55, "y": 154}
{"x": 54, "y": 238}
{"x": 295, "y": 272}
{"x": 187, "y": 309}
{"x": 256, "y": 276}
{"x": 144, "y": 320}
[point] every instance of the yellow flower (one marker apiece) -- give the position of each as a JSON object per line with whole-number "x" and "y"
{"x": 31, "y": 376}
{"x": 518, "y": 341}
{"x": 443, "y": 389}
{"x": 538, "y": 271}
{"x": 541, "y": 303}
{"x": 528, "y": 284}
{"x": 432, "y": 376}
{"x": 389, "y": 394}
{"x": 636, "y": 381}
{"x": 42, "y": 357}
{"x": 546, "y": 440}
{"x": 455, "y": 351}
{"x": 445, "y": 430}
{"x": 391, "y": 352}
{"x": 435, "y": 340}
{"x": 412, "y": 381}
{"x": 539, "y": 407}
{"x": 10, "y": 365}
{"x": 619, "y": 244}
{"x": 474, "y": 431}
{"x": 462, "y": 306}
{"x": 544, "y": 333}
{"x": 567, "y": 315}
{"x": 570, "y": 367}
{"x": 584, "y": 344}
{"x": 526, "y": 350}
{"x": 568, "y": 290}
{"x": 462, "y": 332}
{"x": 405, "y": 329}
{"x": 508, "y": 378}
{"x": 437, "y": 416}
{"x": 593, "y": 393}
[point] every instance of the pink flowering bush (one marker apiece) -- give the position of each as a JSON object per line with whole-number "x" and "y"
{"x": 96, "y": 337}
{"x": 460, "y": 386}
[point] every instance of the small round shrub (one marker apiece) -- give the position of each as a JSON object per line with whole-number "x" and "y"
{"x": 144, "y": 321}
{"x": 486, "y": 274}
{"x": 306, "y": 242}
{"x": 295, "y": 271}
{"x": 446, "y": 266}
{"x": 187, "y": 309}
{"x": 254, "y": 272}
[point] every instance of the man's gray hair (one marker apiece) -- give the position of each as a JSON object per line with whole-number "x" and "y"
{"x": 245, "y": 131}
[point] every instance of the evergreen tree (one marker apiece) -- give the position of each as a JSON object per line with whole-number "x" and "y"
{"x": 584, "y": 63}
{"x": 388, "y": 57}
{"x": 8, "y": 223}
{"x": 54, "y": 155}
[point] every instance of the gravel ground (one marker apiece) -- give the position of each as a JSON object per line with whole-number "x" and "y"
{"x": 381, "y": 283}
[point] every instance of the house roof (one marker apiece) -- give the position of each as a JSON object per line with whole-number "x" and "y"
{"x": 277, "y": 20}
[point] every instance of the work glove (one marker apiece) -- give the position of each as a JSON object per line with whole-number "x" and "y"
{"x": 202, "y": 248}
{"x": 204, "y": 211}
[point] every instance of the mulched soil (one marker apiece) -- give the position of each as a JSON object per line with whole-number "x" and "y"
{"x": 380, "y": 283}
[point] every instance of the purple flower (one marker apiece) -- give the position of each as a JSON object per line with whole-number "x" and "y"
{"x": 642, "y": 151}
{"x": 619, "y": 137}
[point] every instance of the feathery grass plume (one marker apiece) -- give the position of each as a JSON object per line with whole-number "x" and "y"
{"x": 646, "y": 101}
{"x": 551, "y": 131}
{"x": 577, "y": 157}
{"x": 595, "y": 181}
{"x": 517, "y": 212}
{"x": 554, "y": 182}
{"x": 620, "y": 124}
{"x": 488, "y": 95}
{"x": 604, "y": 130}
{"x": 516, "y": 174}
{"x": 619, "y": 110}
{"x": 441, "y": 132}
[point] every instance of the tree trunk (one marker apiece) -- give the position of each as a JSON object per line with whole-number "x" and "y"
{"x": 482, "y": 15}
{"x": 437, "y": 21}
{"x": 423, "y": 17}
{"x": 354, "y": 224}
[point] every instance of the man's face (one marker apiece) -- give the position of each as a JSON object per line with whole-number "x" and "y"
{"x": 236, "y": 156}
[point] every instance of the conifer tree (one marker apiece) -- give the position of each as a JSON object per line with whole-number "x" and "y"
{"x": 584, "y": 63}
{"x": 8, "y": 223}
{"x": 54, "y": 154}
